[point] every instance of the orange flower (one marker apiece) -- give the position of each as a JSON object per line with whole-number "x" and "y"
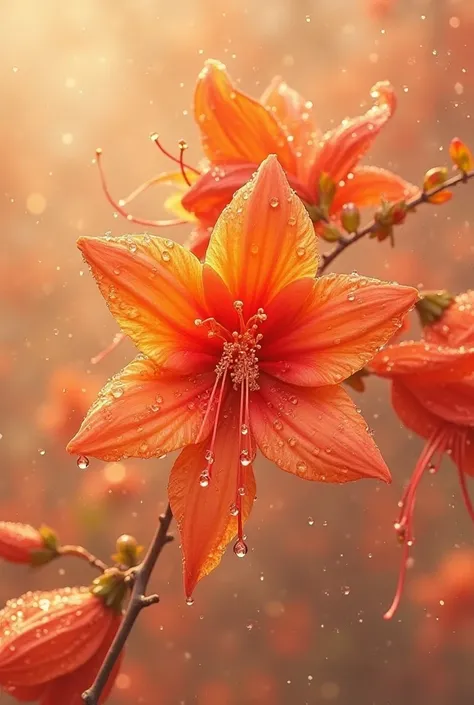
{"x": 22, "y": 543}
{"x": 238, "y": 132}
{"x": 246, "y": 351}
{"x": 53, "y": 643}
{"x": 433, "y": 395}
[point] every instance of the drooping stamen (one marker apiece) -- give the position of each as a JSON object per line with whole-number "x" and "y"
{"x": 118, "y": 205}
{"x": 438, "y": 442}
{"x": 460, "y": 462}
{"x": 216, "y": 330}
{"x": 156, "y": 139}
{"x": 117, "y": 339}
{"x": 182, "y": 146}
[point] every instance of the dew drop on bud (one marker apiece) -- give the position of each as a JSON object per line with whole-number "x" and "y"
{"x": 82, "y": 462}
{"x": 245, "y": 458}
{"x": 240, "y": 548}
{"x": 234, "y": 510}
{"x": 189, "y": 601}
{"x": 274, "y": 202}
{"x": 244, "y": 429}
{"x": 204, "y": 478}
{"x": 209, "y": 456}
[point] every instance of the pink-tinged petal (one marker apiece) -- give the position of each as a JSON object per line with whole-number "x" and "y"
{"x": 153, "y": 287}
{"x": 429, "y": 363}
{"x": 203, "y": 515}
{"x": 343, "y": 147}
{"x": 234, "y": 127}
{"x": 342, "y": 325}
{"x": 295, "y": 114}
{"x": 263, "y": 241}
{"x": 369, "y": 185}
{"x": 143, "y": 412}
{"x": 198, "y": 241}
{"x": 412, "y": 413}
{"x": 452, "y": 401}
{"x": 315, "y": 434}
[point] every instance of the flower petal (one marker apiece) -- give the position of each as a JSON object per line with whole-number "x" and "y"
{"x": 316, "y": 434}
{"x": 343, "y": 324}
{"x": 264, "y": 240}
{"x": 369, "y": 185}
{"x": 295, "y": 114}
{"x": 153, "y": 287}
{"x": 198, "y": 241}
{"x": 235, "y": 127}
{"x": 344, "y": 146}
{"x": 142, "y": 413}
{"x": 203, "y": 514}
{"x": 411, "y": 413}
{"x": 427, "y": 362}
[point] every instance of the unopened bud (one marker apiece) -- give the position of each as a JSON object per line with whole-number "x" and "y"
{"x": 327, "y": 191}
{"x": 111, "y": 588}
{"x": 330, "y": 233}
{"x": 22, "y": 543}
{"x": 432, "y": 305}
{"x": 461, "y": 155}
{"x": 433, "y": 179}
{"x": 128, "y": 551}
{"x": 350, "y": 217}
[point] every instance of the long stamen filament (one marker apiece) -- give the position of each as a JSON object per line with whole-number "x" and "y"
{"x": 156, "y": 139}
{"x": 118, "y": 205}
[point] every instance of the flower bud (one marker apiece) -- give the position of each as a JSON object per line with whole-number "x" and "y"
{"x": 433, "y": 178}
{"x": 350, "y": 217}
{"x": 327, "y": 191}
{"x": 461, "y": 155}
{"x": 432, "y": 305}
{"x": 128, "y": 551}
{"x": 22, "y": 543}
{"x": 46, "y": 637}
{"x": 330, "y": 232}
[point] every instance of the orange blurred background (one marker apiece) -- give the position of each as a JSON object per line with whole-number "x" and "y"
{"x": 299, "y": 621}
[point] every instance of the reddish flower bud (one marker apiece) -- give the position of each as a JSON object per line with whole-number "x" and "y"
{"x": 461, "y": 155}
{"x": 350, "y": 217}
{"x": 433, "y": 178}
{"x": 50, "y": 644}
{"x": 22, "y": 543}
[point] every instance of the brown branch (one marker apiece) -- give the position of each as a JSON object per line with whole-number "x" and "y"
{"x": 138, "y": 601}
{"x": 81, "y": 552}
{"x": 345, "y": 242}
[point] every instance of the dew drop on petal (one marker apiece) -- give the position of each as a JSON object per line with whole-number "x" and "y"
{"x": 204, "y": 479}
{"x": 234, "y": 510}
{"x": 240, "y": 548}
{"x": 209, "y": 456}
{"x": 274, "y": 202}
{"x": 165, "y": 256}
{"x": 245, "y": 458}
{"x": 244, "y": 429}
{"x": 241, "y": 491}
{"x": 82, "y": 462}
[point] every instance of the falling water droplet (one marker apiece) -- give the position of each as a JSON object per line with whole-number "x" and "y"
{"x": 244, "y": 429}
{"x": 245, "y": 458}
{"x": 345, "y": 590}
{"x": 82, "y": 462}
{"x": 204, "y": 478}
{"x": 189, "y": 601}
{"x": 234, "y": 510}
{"x": 240, "y": 548}
{"x": 311, "y": 521}
{"x": 274, "y": 202}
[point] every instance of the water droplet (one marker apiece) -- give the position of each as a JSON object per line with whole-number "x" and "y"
{"x": 240, "y": 548}
{"x": 254, "y": 249}
{"x": 82, "y": 462}
{"x": 234, "y": 510}
{"x": 165, "y": 256}
{"x": 117, "y": 392}
{"x": 293, "y": 400}
{"x": 155, "y": 407}
{"x": 189, "y": 601}
{"x": 301, "y": 466}
{"x": 311, "y": 521}
{"x": 292, "y": 220}
{"x": 274, "y": 202}
{"x": 351, "y": 297}
{"x": 132, "y": 247}
{"x": 244, "y": 429}
{"x": 245, "y": 458}
{"x": 277, "y": 425}
{"x": 169, "y": 244}
{"x": 209, "y": 456}
{"x": 292, "y": 442}
{"x": 345, "y": 590}
{"x": 241, "y": 491}
{"x": 301, "y": 251}
{"x": 204, "y": 478}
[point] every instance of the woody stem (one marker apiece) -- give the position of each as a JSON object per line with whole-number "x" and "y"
{"x": 345, "y": 241}
{"x": 138, "y": 601}
{"x": 81, "y": 552}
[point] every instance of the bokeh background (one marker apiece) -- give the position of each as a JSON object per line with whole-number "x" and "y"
{"x": 299, "y": 621}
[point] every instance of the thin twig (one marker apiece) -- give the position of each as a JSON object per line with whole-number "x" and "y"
{"x": 81, "y": 552}
{"x": 345, "y": 242}
{"x": 138, "y": 601}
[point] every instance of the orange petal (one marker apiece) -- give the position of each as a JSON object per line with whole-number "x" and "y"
{"x": 411, "y": 413}
{"x": 68, "y": 689}
{"x": 26, "y": 694}
{"x": 235, "y": 127}
{"x": 340, "y": 328}
{"x": 154, "y": 289}
{"x": 295, "y": 114}
{"x": 141, "y": 413}
{"x": 427, "y": 362}
{"x": 344, "y": 146}
{"x": 456, "y": 326}
{"x": 264, "y": 240}
{"x": 203, "y": 513}
{"x": 315, "y": 434}
{"x": 198, "y": 241}
{"x": 369, "y": 185}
